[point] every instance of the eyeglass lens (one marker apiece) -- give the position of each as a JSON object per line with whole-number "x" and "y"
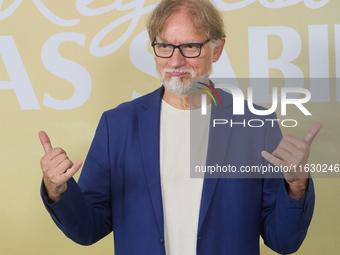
{"x": 188, "y": 50}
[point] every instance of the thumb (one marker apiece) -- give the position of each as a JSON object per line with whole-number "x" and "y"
{"x": 313, "y": 131}
{"x": 45, "y": 141}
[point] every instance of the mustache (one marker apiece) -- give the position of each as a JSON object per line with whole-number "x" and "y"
{"x": 178, "y": 71}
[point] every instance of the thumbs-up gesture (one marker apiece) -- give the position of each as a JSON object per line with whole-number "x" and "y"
{"x": 293, "y": 153}
{"x": 57, "y": 168}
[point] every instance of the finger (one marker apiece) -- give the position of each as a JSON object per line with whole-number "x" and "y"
{"x": 57, "y": 155}
{"x": 313, "y": 131}
{"x": 288, "y": 146}
{"x": 54, "y": 156}
{"x": 63, "y": 166}
{"x": 271, "y": 159}
{"x": 45, "y": 141}
{"x": 73, "y": 170}
{"x": 291, "y": 139}
{"x": 295, "y": 150}
{"x": 282, "y": 154}
{"x": 50, "y": 162}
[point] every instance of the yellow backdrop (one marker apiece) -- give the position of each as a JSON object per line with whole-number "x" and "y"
{"x": 62, "y": 63}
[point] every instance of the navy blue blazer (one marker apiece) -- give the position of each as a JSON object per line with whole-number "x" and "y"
{"x": 119, "y": 188}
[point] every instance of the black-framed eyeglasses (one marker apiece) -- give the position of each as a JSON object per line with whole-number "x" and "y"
{"x": 188, "y": 50}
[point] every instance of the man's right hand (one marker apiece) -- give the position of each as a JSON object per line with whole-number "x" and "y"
{"x": 57, "y": 168}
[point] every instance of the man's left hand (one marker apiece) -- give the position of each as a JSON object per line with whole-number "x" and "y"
{"x": 293, "y": 153}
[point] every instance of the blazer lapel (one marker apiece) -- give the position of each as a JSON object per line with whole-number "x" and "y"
{"x": 217, "y": 150}
{"x": 149, "y": 129}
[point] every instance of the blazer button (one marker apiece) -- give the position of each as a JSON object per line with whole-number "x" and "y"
{"x": 161, "y": 240}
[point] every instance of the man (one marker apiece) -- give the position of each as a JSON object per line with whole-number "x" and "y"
{"x": 135, "y": 178}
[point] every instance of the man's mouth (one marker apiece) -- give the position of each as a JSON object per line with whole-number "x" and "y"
{"x": 178, "y": 73}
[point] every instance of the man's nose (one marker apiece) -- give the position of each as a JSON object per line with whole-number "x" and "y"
{"x": 177, "y": 59}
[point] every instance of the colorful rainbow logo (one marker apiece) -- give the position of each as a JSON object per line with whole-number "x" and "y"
{"x": 208, "y": 92}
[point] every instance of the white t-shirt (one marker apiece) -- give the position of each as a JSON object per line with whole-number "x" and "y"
{"x": 181, "y": 194}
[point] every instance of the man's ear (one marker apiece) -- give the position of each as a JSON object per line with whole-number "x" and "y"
{"x": 218, "y": 50}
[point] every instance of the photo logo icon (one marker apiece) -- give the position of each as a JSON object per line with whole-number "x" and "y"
{"x": 209, "y": 93}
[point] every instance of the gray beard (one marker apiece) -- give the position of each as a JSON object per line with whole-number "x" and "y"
{"x": 176, "y": 86}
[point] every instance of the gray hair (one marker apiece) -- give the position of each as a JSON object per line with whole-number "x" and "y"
{"x": 203, "y": 13}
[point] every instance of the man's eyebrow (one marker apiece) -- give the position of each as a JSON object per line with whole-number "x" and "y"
{"x": 165, "y": 42}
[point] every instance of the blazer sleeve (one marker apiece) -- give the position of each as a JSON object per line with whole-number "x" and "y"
{"x": 84, "y": 211}
{"x": 284, "y": 220}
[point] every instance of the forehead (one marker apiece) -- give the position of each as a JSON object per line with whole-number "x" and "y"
{"x": 180, "y": 27}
